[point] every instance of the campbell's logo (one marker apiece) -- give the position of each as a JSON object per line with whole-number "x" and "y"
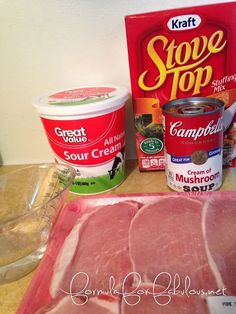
{"x": 184, "y": 22}
{"x": 176, "y": 129}
{"x": 72, "y": 136}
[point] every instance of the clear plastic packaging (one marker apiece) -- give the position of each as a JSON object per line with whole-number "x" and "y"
{"x": 139, "y": 253}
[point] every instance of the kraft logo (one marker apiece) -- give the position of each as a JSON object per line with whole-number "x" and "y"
{"x": 183, "y": 22}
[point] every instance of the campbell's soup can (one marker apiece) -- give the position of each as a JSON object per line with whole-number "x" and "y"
{"x": 193, "y": 137}
{"x": 85, "y": 128}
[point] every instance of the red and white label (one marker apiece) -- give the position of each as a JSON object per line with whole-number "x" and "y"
{"x": 193, "y": 149}
{"x": 87, "y": 142}
{"x": 184, "y": 135}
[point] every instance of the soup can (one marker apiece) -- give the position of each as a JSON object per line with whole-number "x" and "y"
{"x": 193, "y": 139}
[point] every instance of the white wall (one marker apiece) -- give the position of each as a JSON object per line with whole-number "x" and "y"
{"x": 54, "y": 44}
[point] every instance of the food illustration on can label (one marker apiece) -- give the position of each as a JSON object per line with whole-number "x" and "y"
{"x": 177, "y": 54}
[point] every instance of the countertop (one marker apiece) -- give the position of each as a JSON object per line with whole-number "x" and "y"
{"x": 135, "y": 182}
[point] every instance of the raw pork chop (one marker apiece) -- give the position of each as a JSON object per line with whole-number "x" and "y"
{"x": 166, "y": 236}
{"x": 170, "y": 304}
{"x": 101, "y": 250}
{"x": 94, "y": 305}
{"x": 220, "y": 222}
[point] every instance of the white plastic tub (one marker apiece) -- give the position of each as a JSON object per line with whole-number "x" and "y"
{"x": 86, "y": 129}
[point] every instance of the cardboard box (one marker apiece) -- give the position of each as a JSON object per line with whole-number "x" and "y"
{"x": 175, "y": 54}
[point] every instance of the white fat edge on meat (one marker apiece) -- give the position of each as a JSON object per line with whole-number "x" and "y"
{"x": 104, "y": 201}
{"x": 65, "y": 301}
{"x": 131, "y": 224}
{"x": 212, "y": 263}
{"x": 158, "y": 198}
{"x": 112, "y": 306}
{"x": 55, "y": 309}
{"x": 66, "y": 254}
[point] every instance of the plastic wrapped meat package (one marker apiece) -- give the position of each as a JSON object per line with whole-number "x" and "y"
{"x": 126, "y": 254}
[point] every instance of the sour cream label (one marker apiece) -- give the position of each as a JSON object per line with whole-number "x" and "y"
{"x": 87, "y": 142}
{"x": 85, "y": 127}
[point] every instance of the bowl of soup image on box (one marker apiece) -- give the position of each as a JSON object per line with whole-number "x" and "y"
{"x": 85, "y": 128}
{"x": 176, "y": 54}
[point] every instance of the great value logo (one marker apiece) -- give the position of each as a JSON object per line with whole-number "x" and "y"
{"x": 183, "y": 22}
{"x": 72, "y": 136}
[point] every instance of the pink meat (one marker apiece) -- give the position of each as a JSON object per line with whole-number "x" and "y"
{"x": 94, "y": 305}
{"x": 68, "y": 250}
{"x": 100, "y": 251}
{"x": 161, "y": 302}
{"x": 167, "y": 236}
{"x": 220, "y": 229}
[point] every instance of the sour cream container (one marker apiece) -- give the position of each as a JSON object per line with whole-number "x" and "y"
{"x": 85, "y": 128}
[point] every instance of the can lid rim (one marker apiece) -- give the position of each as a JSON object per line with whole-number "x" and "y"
{"x": 194, "y": 101}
